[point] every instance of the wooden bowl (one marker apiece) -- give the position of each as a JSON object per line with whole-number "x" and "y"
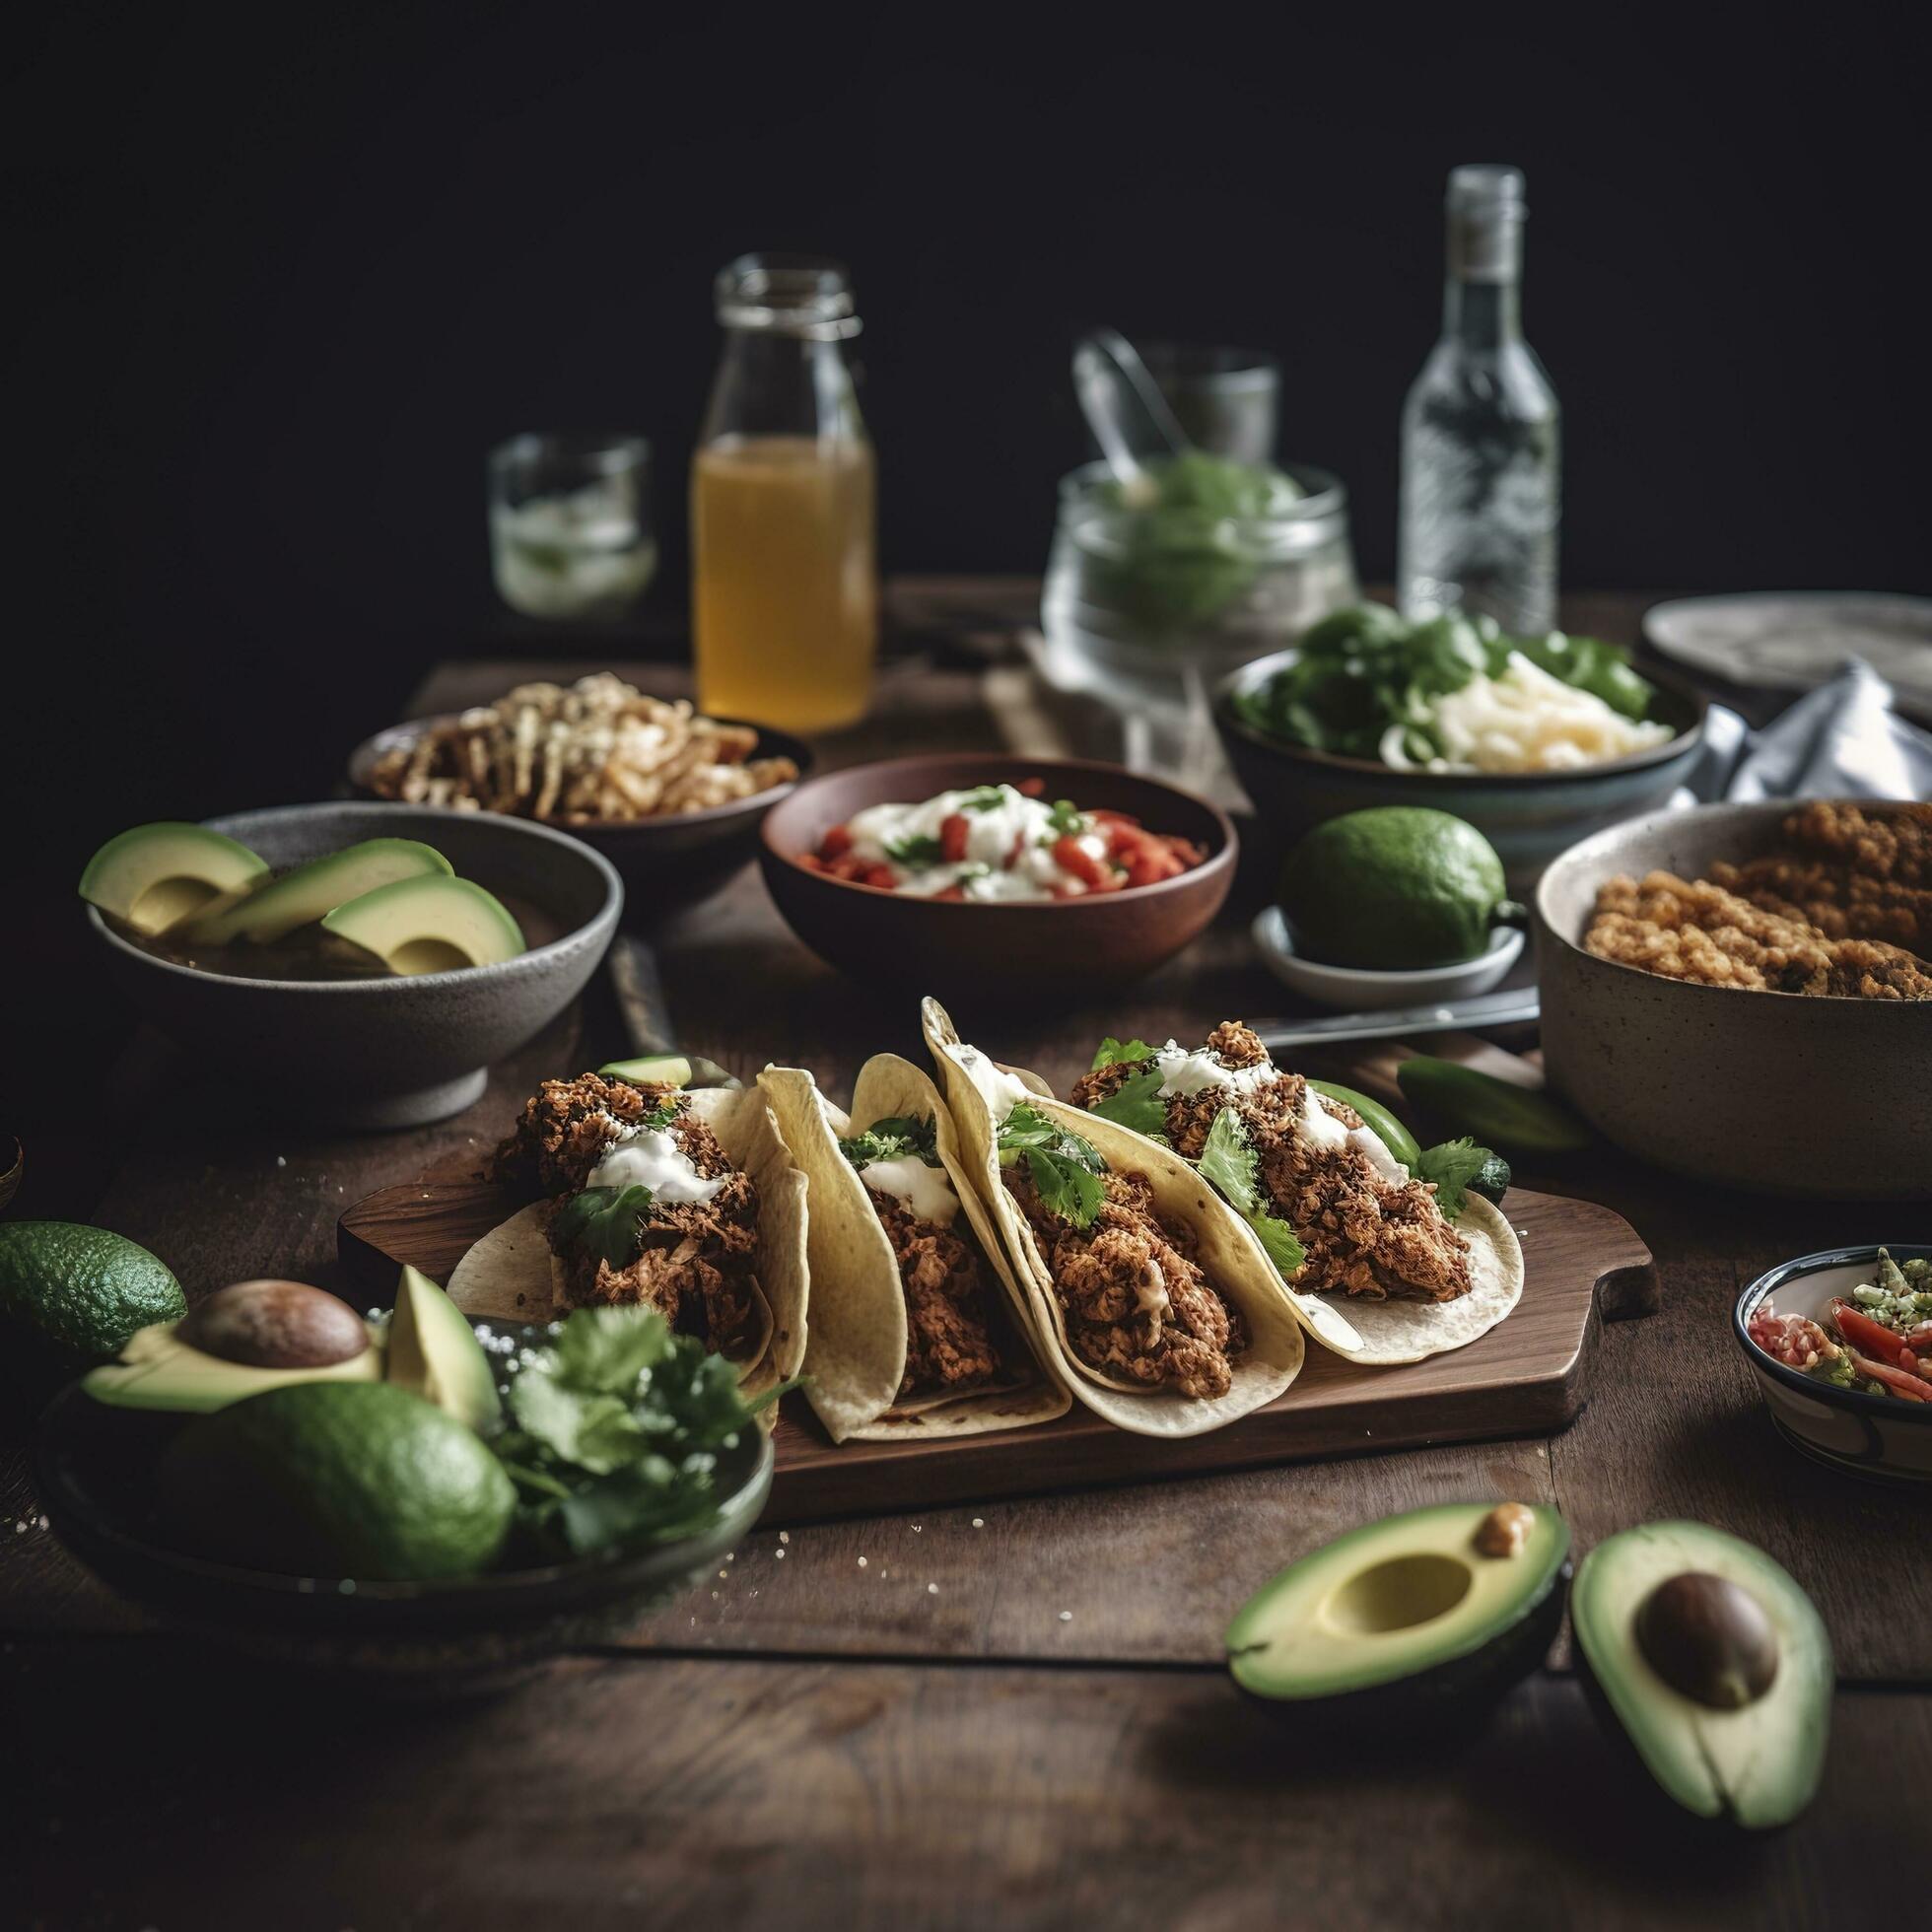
{"x": 949, "y": 947}
{"x": 666, "y": 863}
{"x": 1774, "y": 1092}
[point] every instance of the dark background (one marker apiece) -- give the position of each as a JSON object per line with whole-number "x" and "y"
{"x": 283, "y": 280}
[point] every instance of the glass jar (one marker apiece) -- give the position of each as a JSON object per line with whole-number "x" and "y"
{"x": 1145, "y": 608}
{"x": 785, "y": 576}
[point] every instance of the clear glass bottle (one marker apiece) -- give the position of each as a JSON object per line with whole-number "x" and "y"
{"x": 784, "y": 570}
{"x": 1480, "y": 476}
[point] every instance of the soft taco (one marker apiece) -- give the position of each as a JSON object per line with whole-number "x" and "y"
{"x": 689, "y": 1202}
{"x": 1159, "y": 1304}
{"x": 912, "y": 1331}
{"x": 1377, "y": 1268}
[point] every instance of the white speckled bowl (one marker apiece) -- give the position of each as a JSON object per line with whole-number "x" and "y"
{"x": 1869, "y": 1435}
{"x": 1774, "y": 1092}
{"x": 385, "y": 1053}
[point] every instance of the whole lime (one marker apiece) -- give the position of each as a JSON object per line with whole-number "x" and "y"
{"x": 336, "y": 1479}
{"x": 69, "y": 1297}
{"x": 1396, "y": 887}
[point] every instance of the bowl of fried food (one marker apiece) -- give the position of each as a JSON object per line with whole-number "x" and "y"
{"x": 671, "y": 796}
{"x": 1743, "y": 993}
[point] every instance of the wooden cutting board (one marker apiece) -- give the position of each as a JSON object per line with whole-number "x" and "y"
{"x": 1529, "y": 1375}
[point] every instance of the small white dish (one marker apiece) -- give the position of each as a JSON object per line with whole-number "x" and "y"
{"x": 1866, "y": 1435}
{"x": 1366, "y": 988}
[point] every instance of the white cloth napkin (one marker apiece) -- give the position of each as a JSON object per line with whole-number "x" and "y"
{"x": 1842, "y": 741}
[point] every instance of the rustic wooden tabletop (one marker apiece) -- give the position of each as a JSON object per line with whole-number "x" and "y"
{"x": 1014, "y": 1712}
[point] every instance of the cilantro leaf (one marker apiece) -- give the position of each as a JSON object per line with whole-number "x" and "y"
{"x": 1457, "y": 1166}
{"x": 916, "y": 849}
{"x": 1228, "y": 1165}
{"x": 1066, "y": 820}
{"x": 603, "y": 1350}
{"x": 1065, "y": 1169}
{"x": 1112, "y": 1052}
{"x": 982, "y": 797}
{"x": 605, "y": 1221}
{"x": 890, "y": 1139}
{"x": 595, "y": 1431}
{"x": 1136, "y": 1103}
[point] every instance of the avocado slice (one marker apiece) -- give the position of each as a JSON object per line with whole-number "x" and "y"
{"x": 1407, "y": 1623}
{"x": 302, "y": 896}
{"x": 670, "y": 1069}
{"x": 159, "y": 1370}
{"x": 155, "y": 876}
{"x": 428, "y": 925}
{"x": 434, "y": 1351}
{"x": 1758, "y": 1762}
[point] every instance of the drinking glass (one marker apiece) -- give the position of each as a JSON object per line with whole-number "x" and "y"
{"x": 570, "y": 524}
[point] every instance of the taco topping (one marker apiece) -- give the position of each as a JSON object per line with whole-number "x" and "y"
{"x": 650, "y": 1210}
{"x": 948, "y": 1346}
{"x": 998, "y": 843}
{"x": 1312, "y": 1179}
{"x": 1136, "y": 1303}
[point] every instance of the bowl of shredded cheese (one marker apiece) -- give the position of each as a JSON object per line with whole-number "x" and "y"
{"x": 1536, "y": 743}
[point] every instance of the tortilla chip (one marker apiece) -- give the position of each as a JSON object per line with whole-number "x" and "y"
{"x": 979, "y": 1094}
{"x": 857, "y": 1357}
{"x": 510, "y": 1275}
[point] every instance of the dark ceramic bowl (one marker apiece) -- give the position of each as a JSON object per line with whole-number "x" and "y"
{"x": 385, "y": 1052}
{"x": 947, "y": 947}
{"x": 94, "y": 1466}
{"x": 1868, "y": 1435}
{"x": 666, "y": 863}
{"x": 1528, "y": 816}
{"x": 1774, "y": 1092}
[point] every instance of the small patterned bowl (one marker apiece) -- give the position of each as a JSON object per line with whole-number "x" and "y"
{"x": 1868, "y": 1435}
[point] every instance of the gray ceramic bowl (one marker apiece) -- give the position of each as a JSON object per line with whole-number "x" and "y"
{"x": 385, "y": 1052}
{"x": 1775, "y": 1092}
{"x": 1869, "y": 1435}
{"x": 1528, "y": 816}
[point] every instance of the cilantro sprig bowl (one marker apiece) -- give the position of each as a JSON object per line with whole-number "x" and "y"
{"x": 1528, "y": 816}
{"x": 1031, "y": 948}
{"x": 636, "y": 1470}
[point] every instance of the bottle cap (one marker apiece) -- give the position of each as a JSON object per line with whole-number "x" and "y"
{"x": 1486, "y": 209}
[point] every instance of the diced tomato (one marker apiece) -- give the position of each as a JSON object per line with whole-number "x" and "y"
{"x": 1031, "y": 788}
{"x": 1914, "y": 1388}
{"x": 1873, "y": 1336}
{"x": 1072, "y": 857}
{"x": 953, "y": 833}
{"x": 952, "y": 892}
{"x": 836, "y": 842}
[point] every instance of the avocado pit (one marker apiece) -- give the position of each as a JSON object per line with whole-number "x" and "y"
{"x": 1709, "y": 1638}
{"x": 270, "y": 1323}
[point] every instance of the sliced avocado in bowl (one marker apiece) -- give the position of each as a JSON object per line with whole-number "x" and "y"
{"x": 434, "y": 1352}
{"x": 306, "y": 894}
{"x": 153, "y": 877}
{"x": 1709, "y": 1661}
{"x": 1419, "y": 1620}
{"x": 433, "y": 924}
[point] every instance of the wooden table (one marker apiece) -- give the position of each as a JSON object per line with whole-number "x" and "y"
{"x": 1012, "y": 1713}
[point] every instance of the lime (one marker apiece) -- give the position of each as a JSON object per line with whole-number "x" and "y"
{"x": 69, "y": 1297}
{"x": 336, "y": 1479}
{"x": 1396, "y": 887}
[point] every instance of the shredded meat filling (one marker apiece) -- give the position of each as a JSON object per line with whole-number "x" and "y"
{"x": 1362, "y": 1233}
{"x": 1136, "y": 1303}
{"x": 948, "y": 1345}
{"x": 695, "y": 1261}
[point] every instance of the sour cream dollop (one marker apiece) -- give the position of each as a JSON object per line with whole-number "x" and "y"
{"x": 924, "y": 1192}
{"x": 1322, "y": 1127}
{"x": 1190, "y": 1073}
{"x": 650, "y": 1157}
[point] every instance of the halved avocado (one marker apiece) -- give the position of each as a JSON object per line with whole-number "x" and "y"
{"x": 302, "y": 896}
{"x": 159, "y": 1370}
{"x": 430, "y": 924}
{"x": 434, "y": 1351}
{"x": 155, "y": 876}
{"x": 1670, "y": 1610}
{"x": 1406, "y": 1622}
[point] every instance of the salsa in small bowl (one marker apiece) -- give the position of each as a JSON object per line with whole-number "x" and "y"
{"x": 973, "y": 869}
{"x": 1824, "y": 1336}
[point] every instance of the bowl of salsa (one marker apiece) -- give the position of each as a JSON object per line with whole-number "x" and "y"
{"x": 971, "y": 871}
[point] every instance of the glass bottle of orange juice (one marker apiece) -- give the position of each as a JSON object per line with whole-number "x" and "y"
{"x": 784, "y": 567}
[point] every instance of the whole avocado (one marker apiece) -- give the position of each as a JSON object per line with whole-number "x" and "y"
{"x": 1393, "y": 888}
{"x": 70, "y": 1295}
{"x": 336, "y": 1479}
